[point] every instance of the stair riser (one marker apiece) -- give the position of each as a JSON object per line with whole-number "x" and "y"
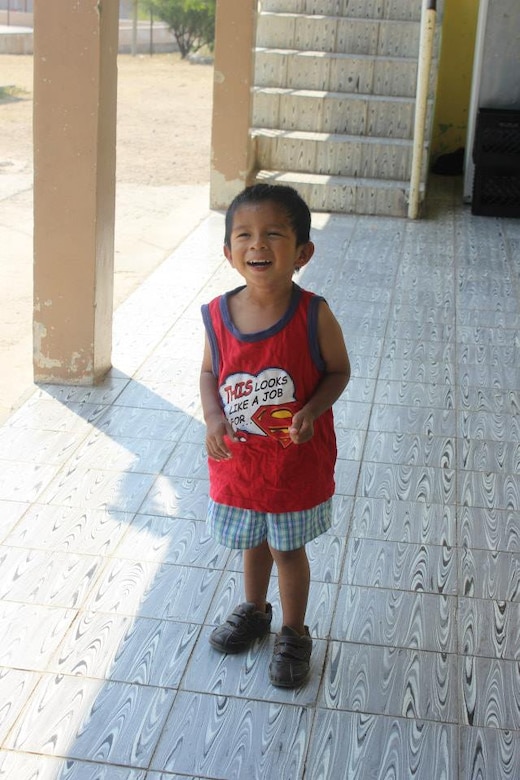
{"x": 361, "y": 9}
{"x": 349, "y": 199}
{"x": 346, "y": 114}
{"x": 363, "y": 75}
{"x": 335, "y": 157}
{"x": 349, "y": 36}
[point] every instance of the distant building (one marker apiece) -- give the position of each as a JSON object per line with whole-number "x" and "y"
{"x": 126, "y": 9}
{"x": 25, "y": 6}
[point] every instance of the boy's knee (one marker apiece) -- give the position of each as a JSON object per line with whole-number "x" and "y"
{"x": 289, "y": 556}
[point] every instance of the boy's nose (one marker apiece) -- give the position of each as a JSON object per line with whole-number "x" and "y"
{"x": 258, "y": 241}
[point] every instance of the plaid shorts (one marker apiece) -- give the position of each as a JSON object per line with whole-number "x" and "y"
{"x": 243, "y": 529}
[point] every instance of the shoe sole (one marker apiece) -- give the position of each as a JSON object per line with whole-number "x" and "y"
{"x": 284, "y": 684}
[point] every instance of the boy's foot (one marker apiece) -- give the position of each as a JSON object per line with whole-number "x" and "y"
{"x": 291, "y": 658}
{"x": 241, "y": 628}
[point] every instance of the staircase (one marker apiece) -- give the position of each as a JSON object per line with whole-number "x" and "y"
{"x": 334, "y": 101}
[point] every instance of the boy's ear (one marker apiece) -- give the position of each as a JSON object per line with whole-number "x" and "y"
{"x": 227, "y": 254}
{"x": 304, "y": 254}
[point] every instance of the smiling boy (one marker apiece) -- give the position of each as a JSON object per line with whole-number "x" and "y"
{"x": 274, "y": 363}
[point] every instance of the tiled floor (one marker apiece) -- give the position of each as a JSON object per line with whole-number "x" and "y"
{"x": 110, "y": 584}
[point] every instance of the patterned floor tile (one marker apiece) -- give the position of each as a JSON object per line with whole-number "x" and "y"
{"x": 220, "y": 736}
{"x": 98, "y": 488}
{"x": 395, "y": 618}
{"x": 359, "y": 746}
{"x": 171, "y": 540}
{"x": 486, "y": 574}
{"x": 407, "y": 483}
{"x": 31, "y": 633}
{"x": 489, "y": 752}
{"x": 489, "y": 692}
{"x": 410, "y": 420}
{"x": 489, "y": 529}
{"x": 416, "y": 567}
{"x": 411, "y": 449}
{"x": 34, "y": 446}
{"x": 51, "y": 579}
{"x": 86, "y": 719}
{"x": 123, "y": 453}
{"x": 21, "y": 481}
{"x": 395, "y": 520}
{"x": 489, "y": 628}
{"x": 410, "y": 683}
{"x": 177, "y": 497}
{"x": 10, "y": 514}
{"x": 16, "y": 687}
{"x": 127, "y": 649}
{"x": 154, "y": 590}
{"x": 70, "y": 529}
{"x": 490, "y": 490}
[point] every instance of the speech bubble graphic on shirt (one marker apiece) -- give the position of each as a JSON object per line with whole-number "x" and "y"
{"x": 261, "y": 404}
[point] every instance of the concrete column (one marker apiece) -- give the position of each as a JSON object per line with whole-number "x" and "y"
{"x": 232, "y": 154}
{"x": 75, "y": 88}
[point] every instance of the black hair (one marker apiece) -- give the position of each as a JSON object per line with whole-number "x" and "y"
{"x": 287, "y": 198}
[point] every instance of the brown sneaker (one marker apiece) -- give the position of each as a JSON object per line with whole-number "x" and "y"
{"x": 291, "y": 658}
{"x": 241, "y": 628}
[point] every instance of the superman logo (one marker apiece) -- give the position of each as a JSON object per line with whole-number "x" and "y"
{"x": 275, "y": 421}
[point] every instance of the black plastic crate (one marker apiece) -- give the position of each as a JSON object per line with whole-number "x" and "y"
{"x": 496, "y": 193}
{"x": 497, "y": 139}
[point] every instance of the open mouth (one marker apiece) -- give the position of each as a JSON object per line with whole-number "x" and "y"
{"x": 258, "y": 263}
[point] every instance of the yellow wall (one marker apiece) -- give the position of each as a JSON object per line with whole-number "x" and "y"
{"x": 455, "y": 73}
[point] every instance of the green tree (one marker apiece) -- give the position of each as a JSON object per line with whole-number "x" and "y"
{"x": 191, "y": 21}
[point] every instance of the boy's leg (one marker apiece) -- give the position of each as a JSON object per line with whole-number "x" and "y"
{"x": 290, "y": 663}
{"x": 252, "y": 619}
{"x": 293, "y": 580}
{"x": 258, "y": 563}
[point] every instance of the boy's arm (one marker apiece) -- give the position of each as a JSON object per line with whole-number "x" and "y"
{"x": 217, "y": 425}
{"x": 337, "y": 375}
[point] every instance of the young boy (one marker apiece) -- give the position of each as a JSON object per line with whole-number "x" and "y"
{"x": 274, "y": 363}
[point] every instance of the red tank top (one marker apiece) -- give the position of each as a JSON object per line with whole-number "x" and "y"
{"x": 263, "y": 379}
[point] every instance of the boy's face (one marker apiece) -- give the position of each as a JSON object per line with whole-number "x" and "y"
{"x": 263, "y": 246}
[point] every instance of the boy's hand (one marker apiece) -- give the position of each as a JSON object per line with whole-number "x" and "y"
{"x": 302, "y": 427}
{"x": 217, "y": 428}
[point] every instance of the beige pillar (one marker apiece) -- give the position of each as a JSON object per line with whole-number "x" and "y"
{"x": 232, "y": 157}
{"x": 75, "y": 86}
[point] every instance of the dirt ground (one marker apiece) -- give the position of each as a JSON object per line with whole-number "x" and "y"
{"x": 163, "y": 164}
{"x": 163, "y": 126}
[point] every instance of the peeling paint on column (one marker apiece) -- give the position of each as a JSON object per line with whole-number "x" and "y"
{"x": 39, "y": 336}
{"x": 224, "y": 190}
{"x": 76, "y": 360}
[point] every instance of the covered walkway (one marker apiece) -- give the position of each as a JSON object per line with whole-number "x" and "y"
{"x": 110, "y": 585}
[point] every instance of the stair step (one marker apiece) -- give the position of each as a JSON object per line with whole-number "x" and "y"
{"x": 328, "y": 153}
{"x": 334, "y": 112}
{"x": 336, "y": 72}
{"x": 334, "y": 101}
{"x": 344, "y": 194}
{"x": 306, "y": 32}
{"x": 366, "y": 9}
